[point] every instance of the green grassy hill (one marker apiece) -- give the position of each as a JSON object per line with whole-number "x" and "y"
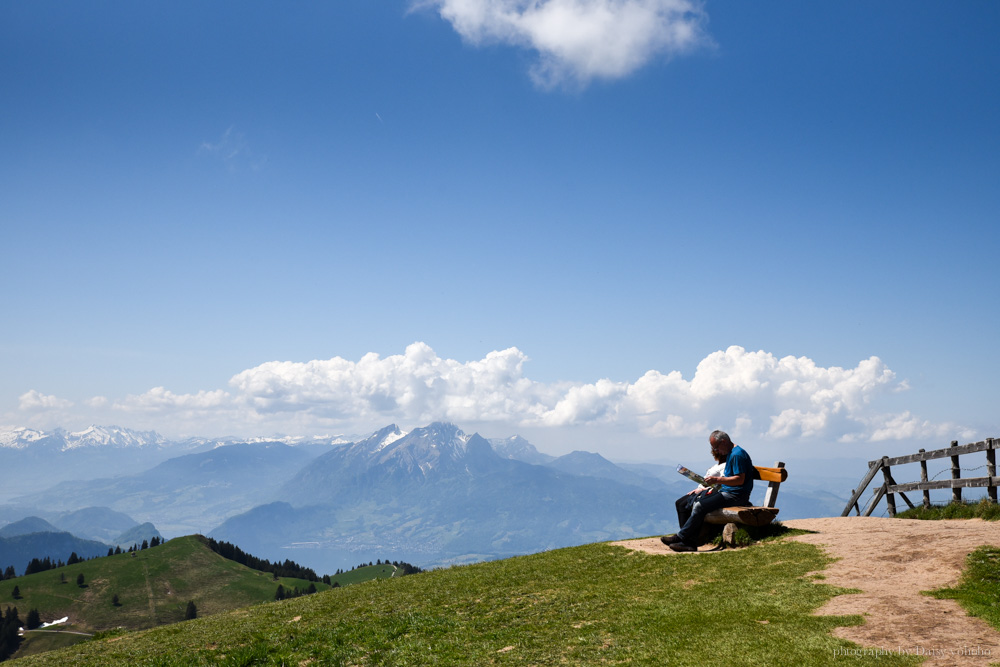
{"x": 366, "y": 573}
{"x": 153, "y": 587}
{"x": 594, "y": 604}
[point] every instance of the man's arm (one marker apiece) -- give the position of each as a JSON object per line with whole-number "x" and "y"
{"x": 732, "y": 480}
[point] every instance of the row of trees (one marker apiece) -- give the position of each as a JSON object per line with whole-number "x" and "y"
{"x": 399, "y": 565}
{"x": 44, "y": 564}
{"x": 146, "y": 544}
{"x": 287, "y": 569}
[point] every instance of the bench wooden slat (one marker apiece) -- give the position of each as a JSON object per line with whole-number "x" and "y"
{"x": 751, "y": 516}
{"x": 772, "y": 474}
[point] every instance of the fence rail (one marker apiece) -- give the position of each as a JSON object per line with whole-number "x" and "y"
{"x": 890, "y": 488}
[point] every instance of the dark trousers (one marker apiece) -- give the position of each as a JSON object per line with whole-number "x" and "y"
{"x": 692, "y": 508}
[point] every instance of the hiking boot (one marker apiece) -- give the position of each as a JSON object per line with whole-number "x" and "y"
{"x": 670, "y": 539}
{"x": 680, "y": 546}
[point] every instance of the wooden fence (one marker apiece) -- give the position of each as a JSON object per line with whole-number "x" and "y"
{"x": 890, "y": 487}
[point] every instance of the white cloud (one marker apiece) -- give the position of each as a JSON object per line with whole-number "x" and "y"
{"x": 417, "y": 385}
{"x": 753, "y": 394}
{"x": 577, "y": 41}
{"x": 906, "y": 425}
{"x": 160, "y": 399}
{"x": 35, "y": 400}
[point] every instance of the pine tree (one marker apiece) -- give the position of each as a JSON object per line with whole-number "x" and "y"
{"x": 191, "y": 611}
{"x": 79, "y": 580}
{"x": 280, "y": 593}
{"x": 33, "y": 621}
{"x": 9, "y": 639}
{"x": 114, "y": 600}
{"x": 16, "y": 593}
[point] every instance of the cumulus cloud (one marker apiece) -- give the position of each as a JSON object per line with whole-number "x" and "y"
{"x": 577, "y": 41}
{"x": 752, "y": 394}
{"x": 159, "y": 399}
{"x": 35, "y": 400}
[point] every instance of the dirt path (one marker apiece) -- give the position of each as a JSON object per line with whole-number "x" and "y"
{"x": 149, "y": 593}
{"x": 891, "y": 561}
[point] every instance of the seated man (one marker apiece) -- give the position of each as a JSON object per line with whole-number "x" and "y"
{"x": 736, "y": 484}
{"x": 685, "y": 502}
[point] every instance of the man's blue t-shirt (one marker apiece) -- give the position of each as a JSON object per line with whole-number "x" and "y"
{"x": 737, "y": 463}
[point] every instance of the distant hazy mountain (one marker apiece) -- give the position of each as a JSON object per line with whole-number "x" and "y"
{"x": 137, "y": 535}
{"x": 95, "y": 436}
{"x": 17, "y": 551}
{"x": 595, "y": 465}
{"x": 436, "y": 495}
{"x": 186, "y": 494}
{"x": 30, "y": 458}
{"x": 26, "y": 526}
{"x": 519, "y": 449}
{"x": 95, "y": 523}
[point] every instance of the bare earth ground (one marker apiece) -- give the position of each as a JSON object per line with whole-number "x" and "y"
{"x": 891, "y": 561}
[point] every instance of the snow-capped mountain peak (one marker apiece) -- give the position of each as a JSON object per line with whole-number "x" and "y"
{"x": 112, "y": 436}
{"x": 19, "y": 437}
{"x": 93, "y": 436}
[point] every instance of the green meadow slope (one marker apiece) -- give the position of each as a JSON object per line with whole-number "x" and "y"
{"x": 153, "y": 587}
{"x": 594, "y": 604}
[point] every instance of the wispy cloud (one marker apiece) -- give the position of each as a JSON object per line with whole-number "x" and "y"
{"x": 577, "y": 41}
{"x": 233, "y": 150}
{"x": 754, "y": 394}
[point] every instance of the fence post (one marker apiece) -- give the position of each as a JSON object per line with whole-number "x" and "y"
{"x": 858, "y": 492}
{"x": 923, "y": 478}
{"x": 956, "y": 473}
{"x": 991, "y": 467}
{"x": 890, "y": 499}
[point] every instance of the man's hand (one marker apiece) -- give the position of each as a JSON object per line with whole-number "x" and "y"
{"x": 732, "y": 480}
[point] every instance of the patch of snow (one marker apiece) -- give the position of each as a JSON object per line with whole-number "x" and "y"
{"x": 61, "y": 620}
{"x": 389, "y": 439}
{"x": 19, "y": 437}
{"x": 112, "y": 436}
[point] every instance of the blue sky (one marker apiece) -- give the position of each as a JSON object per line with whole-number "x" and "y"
{"x": 533, "y": 217}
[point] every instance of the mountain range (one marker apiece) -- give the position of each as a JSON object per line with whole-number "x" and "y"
{"x": 431, "y": 496}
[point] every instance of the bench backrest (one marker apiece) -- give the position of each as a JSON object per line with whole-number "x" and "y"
{"x": 774, "y": 477}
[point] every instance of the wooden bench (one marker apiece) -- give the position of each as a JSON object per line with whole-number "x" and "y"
{"x": 754, "y": 516}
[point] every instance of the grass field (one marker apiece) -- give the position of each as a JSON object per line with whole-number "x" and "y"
{"x": 978, "y": 591}
{"x": 153, "y": 587}
{"x": 588, "y": 605}
{"x": 367, "y": 573}
{"x": 983, "y": 509}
